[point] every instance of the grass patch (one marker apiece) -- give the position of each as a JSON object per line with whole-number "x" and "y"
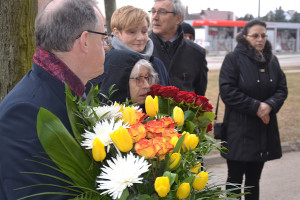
{"x": 289, "y": 114}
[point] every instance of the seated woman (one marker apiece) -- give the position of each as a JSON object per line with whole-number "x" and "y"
{"x": 132, "y": 79}
{"x": 130, "y": 29}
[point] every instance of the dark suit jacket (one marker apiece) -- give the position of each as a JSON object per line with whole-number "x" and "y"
{"x": 18, "y": 134}
{"x": 185, "y": 62}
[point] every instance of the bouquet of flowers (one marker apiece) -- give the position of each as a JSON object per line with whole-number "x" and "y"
{"x": 118, "y": 151}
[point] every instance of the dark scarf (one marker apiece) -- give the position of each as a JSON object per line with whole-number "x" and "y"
{"x": 59, "y": 70}
{"x": 263, "y": 57}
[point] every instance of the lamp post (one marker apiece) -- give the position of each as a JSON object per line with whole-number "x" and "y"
{"x": 258, "y": 9}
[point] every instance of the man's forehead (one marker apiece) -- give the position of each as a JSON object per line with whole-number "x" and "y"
{"x": 164, "y": 3}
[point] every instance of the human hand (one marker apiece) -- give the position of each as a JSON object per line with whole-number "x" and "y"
{"x": 263, "y": 112}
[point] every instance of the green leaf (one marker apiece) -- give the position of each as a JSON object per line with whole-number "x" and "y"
{"x": 189, "y": 115}
{"x": 164, "y": 106}
{"x": 47, "y": 193}
{"x": 125, "y": 194}
{"x": 72, "y": 114}
{"x": 206, "y": 118}
{"x": 189, "y": 180}
{"x": 172, "y": 177}
{"x": 145, "y": 197}
{"x": 65, "y": 152}
{"x": 189, "y": 126}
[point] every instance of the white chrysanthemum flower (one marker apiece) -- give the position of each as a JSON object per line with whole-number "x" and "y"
{"x": 108, "y": 111}
{"x": 137, "y": 108}
{"x": 122, "y": 172}
{"x": 101, "y": 130}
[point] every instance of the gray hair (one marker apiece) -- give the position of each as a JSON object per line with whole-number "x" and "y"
{"x": 178, "y": 7}
{"x": 57, "y": 29}
{"x": 148, "y": 65}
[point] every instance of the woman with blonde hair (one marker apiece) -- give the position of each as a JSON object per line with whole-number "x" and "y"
{"x": 130, "y": 32}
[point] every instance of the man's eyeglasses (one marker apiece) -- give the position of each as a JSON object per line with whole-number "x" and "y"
{"x": 106, "y": 40}
{"x": 140, "y": 80}
{"x": 256, "y": 36}
{"x": 160, "y": 11}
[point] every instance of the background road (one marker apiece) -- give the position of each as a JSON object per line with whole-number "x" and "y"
{"x": 286, "y": 60}
{"x": 280, "y": 178}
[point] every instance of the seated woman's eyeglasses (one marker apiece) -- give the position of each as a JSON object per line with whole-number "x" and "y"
{"x": 256, "y": 36}
{"x": 139, "y": 80}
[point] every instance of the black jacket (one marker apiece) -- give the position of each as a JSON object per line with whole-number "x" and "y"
{"x": 19, "y": 141}
{"x": 185, "y": 62}
{"x": 118, "y": 66}
{"x": 245, "y": 81}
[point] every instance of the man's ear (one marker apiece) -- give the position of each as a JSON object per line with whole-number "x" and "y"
{"x": 179, "y": 18}
{"x": 83, "y": 41}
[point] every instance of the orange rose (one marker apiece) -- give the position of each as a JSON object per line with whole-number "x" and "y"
{"x": 140, "y": 116}
{"x": 155, "y": 128}
{"x": 137, "y": 132}
{"x": 169, "y": 122}
{"x": 169, "y": 133}
{"x": 145, "y": 148}
{"x": 162, "y": 146}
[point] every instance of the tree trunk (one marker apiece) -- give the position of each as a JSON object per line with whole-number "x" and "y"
{"x": 17, "y": 43}
{"x": 110, "y": 7}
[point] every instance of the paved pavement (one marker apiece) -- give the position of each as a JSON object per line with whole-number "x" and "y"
{"x": 280, "y": 178}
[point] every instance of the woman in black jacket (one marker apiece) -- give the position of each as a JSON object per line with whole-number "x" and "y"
{"x": 130, "y": 29}
{"x": 253, "y": 88}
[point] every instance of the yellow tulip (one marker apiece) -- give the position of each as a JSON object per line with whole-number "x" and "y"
{"x": 183, "y": 191}
{"x": 122, "y": 139}
{"x": 120, "y": 106}
{"x": 190, "y": 142}
{"x": 162, "y": 186}
{"x": 200, "y": 180}
{"x": 196, "y": 168}
{"x": 129, "y": 115}
{"x": 178, "y": 115}
{"x": 98, "y": 150}
{"x": 151, "y": 105}
{"x": 175, "y": 160}
{"x": 174, "y": 140}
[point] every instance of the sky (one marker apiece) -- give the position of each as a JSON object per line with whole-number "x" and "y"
{"x": 239, "y": 7}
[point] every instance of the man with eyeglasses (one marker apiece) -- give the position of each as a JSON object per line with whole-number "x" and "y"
{"x": 185, "y": 61}
{"x": 70, "y": 38}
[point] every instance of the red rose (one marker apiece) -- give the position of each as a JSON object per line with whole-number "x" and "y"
{"x": 168, "y": 91}
{"x": 180, "y": 96}
{"x": 201, "y": 100}
{"x": 190, "y": 97}
{"x": 154, "y": 90}
{"x": 209, "y": 128}
{"x": 207, "y": 107}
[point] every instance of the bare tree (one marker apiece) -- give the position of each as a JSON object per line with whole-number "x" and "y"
{"x": 16, "y": 41}
{"x": 110, "y": 7}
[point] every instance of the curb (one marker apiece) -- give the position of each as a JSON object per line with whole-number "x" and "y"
{"x": 285, "y": 146}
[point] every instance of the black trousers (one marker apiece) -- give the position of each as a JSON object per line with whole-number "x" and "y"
{"x": 252, "y": 172}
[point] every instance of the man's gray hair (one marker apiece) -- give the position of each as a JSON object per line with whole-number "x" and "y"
{"x": 178, "y": 7}
{"x": 57, "y": 29}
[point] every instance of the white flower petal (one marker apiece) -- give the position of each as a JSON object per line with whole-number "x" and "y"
{"x": 117, "y": 176}
{"x": 101, "y": 130}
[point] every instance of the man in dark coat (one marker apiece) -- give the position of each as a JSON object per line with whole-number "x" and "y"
{"x": 66, "y": 53}
{"x": 185, "y": 61}
{"x": 253, "y": 88}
